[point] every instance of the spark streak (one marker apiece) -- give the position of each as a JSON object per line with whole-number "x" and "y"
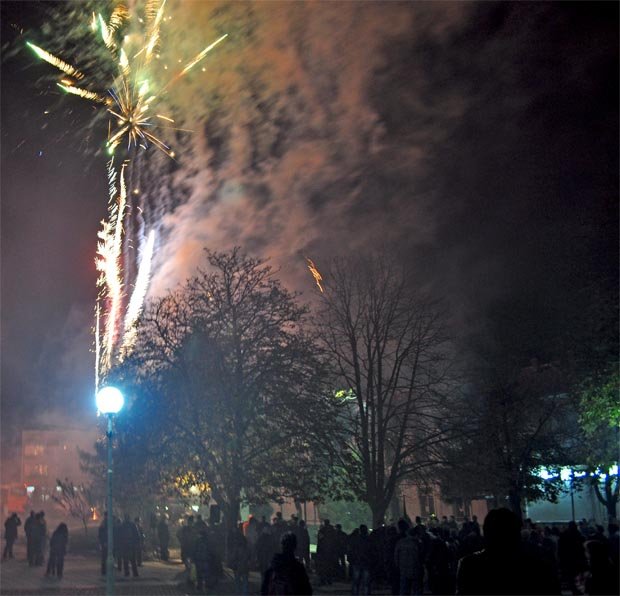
{"x": 318, "y": 278}
{"x": 106, "y": 34}
{"x": 82, "y": 93}
{"x": 97, "y": 344}
{"x": 57, "y": 62}
{"x": 154, "y": 36}
{"x": 201, "y": 55}
{"x": 137, "y": 298}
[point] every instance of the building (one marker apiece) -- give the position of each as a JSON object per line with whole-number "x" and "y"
{"x": 12, "y": 499}
{"x": 49, "y": 454}
{"x": 12, "y": 492}
{"x": 428, "y": 501}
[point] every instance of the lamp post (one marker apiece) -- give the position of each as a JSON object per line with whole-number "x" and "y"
{"x": 109, "y": 402}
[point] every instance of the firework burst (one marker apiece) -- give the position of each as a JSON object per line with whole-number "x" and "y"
{"x": 129, "y": 102}
{"x": 129, "y": 99}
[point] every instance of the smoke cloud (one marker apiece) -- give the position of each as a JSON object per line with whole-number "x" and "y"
{"x": 291, "y": 154}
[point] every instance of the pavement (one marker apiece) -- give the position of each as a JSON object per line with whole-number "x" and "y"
{"x": 82, "y": 577}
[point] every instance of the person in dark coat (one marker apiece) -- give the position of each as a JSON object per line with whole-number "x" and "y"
{"x": 408, "y": 561}
{"x": 239, "y": 560}
{"x": 128, "y": 545}
{"x": 326, "y": 553}
{"x": 572, "y": 556}
{"x": 186, "y": 537}
{"x": 303, "y": 544}
{"x": 504, "y": 566}
{"x": 140, "y": 551}
{"x": 58, "y": 549}
{"x": 279, "y": 526}
{"x": 10, "y": 534}
{"x": 364, "y": 557}
{"x": 394, "y": 536}
{"x": 352, "y": 541}
{"x": 378, "y": 538}
{"x": 200, "y": 525}
{"x": 201, "y": 559}
{"x": 28, "y": 525}
{"x": 286, "y": 575}
{"x": 438, "y": 564}
{"x": 603, "y": 575}
{"x": 265, "y": 549}
{"x": 163, "y": 535}
{"x": 341, "y": 551}
{"x": 39, "y": 538}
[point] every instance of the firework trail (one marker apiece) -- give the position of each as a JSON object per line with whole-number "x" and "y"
{"x": 129, "y": 104}
{"x": 109, "y": 251}
{"x": 318, "y": 278}
{"x": 137, "y": 298}
{"x": 57, "y": 62}
{"x": 97, "y": 331}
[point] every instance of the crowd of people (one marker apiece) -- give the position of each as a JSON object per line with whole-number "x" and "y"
{"x": 127, "y": 546}
{"x": 279, "y": 550}
{"x": 408, "y": 557}
{"x": 128, "y": 543}
{"x": 444, "y": 557}
{"x": 35, "y": 529}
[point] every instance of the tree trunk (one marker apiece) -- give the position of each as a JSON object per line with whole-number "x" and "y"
{"x": 231, "y": 519}
{"x": 378, "y": 514}
{"x": 514, "y": 498}
{"x": 611, "y": 509}
{"x": 232, "y": 515}
{"x": 395, "y": 507}
{"x": 610, "y": 498}
{"x": 298, "y": 509}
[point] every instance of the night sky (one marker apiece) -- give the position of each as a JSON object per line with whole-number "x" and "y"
{"x": 477, "y": 141}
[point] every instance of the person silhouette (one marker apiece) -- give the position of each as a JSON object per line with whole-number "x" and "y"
{"x": 10, "y": 534}
{"x": 58, "y": 549}
{"x": 286, "y": 575}
{"x": 603, "y": 575}
{"x": 505, "y": 565}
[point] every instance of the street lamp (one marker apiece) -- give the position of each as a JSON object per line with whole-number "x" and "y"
{"x": 109, "y": 402}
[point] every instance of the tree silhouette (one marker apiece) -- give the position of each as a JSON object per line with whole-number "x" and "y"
{"x": 229, "y": 385}
{"x": 389, "y": 351}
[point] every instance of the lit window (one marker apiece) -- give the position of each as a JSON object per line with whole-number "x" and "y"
{"x": 33, "y": 450}
{"x": 40, "y": 469}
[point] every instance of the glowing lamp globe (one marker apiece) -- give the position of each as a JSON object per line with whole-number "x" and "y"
{"x": 109, "y": 400}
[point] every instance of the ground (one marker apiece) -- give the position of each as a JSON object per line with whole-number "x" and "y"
{"x": 82, "y": 577}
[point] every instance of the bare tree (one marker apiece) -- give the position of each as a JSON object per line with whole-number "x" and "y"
{"x": 76, "y": 500}
{"x": 388, "y": 347}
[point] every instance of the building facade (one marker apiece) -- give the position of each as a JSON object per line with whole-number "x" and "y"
{"x": 50, "y": 454}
